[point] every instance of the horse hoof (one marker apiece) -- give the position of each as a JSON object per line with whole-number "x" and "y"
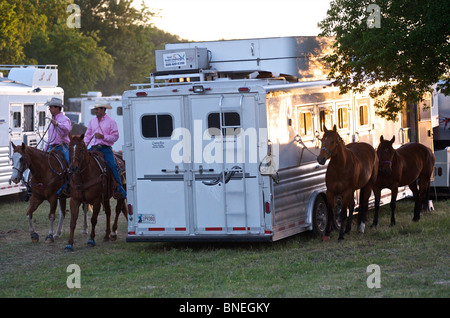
{"x": 91, "y": 243}
{"x": 34, "y": 237}
{"x": 68, "y": 248}
{"x": 49, "y": 239}
{"x": 325, "y": 238}
{"x": 113, "y": 237}
{"x": 373, "y": 226}
{"x": 341, "y": 239}
{"x": 416, "y": 219}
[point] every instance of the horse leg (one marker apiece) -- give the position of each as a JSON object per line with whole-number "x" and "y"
{"x": 330, "y": 208}
{"x": 119, "y": 205}
{"x": 84, "y": 231}
{"x": 364, "y": 207}
{"x": 34, "y": 204}
{"x": 351, "y": 208}
{"x": 96, "y": 210}
{"x": 346, "y": 197}
{"x": 415, "y": 191}
{"x": 62, "y": 216}
{"x": 107, "y": 206}
{"x": 74, "y": 210}
{"x": 51, "y": 216}
{"x": 394, "y": 192}
{"x": 377, "y": 194}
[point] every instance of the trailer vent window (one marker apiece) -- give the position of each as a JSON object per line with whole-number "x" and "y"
{"x": 157, "y": 126}
{"x": 325, "y": 120}
{"x": 343, "y": 120}
{"x": 305, "y": 123}
{"x": 28, "y": 116}
{"x": 231, "y": 124}
{"x": 119, "y": 111}
{"x": 17, "y": 122}
{"x": 363, "y": 115}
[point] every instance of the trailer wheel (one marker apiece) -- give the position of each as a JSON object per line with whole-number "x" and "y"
{"x": 319, "y": 216}
{"x": 336, "y": 214}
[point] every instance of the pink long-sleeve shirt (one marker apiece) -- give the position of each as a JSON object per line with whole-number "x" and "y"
{"x": 107, "y": 127}
{"x": 60, "y": 134}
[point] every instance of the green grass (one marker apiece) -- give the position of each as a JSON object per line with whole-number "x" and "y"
{"x": 413, "y": 258}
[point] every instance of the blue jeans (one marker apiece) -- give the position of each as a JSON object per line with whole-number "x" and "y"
{"x": 64, "y": 150}
{"x": 109, "y": 158}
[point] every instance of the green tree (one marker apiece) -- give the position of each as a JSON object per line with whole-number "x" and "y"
{"x": 407, "y": 52}
{"x": 82, "y": 63}
{"x": 128, "y": 36}
{"x": 19, "y": 21}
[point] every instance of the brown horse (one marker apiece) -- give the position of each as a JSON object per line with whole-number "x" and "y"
{"x": 351, "y": 167}
{"x": 408, "y": 165}
{"x": 48, "y": 174}
{"x": 91, "y": 182}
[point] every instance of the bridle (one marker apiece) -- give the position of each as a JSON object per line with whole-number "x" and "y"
{"x": 330, "y": 153}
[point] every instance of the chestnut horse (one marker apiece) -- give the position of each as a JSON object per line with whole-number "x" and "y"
{"x": 91, "y": 183}
{"x": 410, "y": 164}
{"x": 48, "y": 171}
{"x": 351, "y": 167}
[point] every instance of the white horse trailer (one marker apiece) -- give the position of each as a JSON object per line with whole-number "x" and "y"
{"x": 23, "y": 113}
{"x": 221, "y": 157}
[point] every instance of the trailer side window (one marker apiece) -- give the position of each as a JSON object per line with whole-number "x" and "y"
{"x": 363, "y": 115}
{"x": 343, "y": 118}
{"x": 231, "y": 123}
{"x": 305, "y": 124}
{"x": 119, "y": 111}
{"x": 157, "y": 126}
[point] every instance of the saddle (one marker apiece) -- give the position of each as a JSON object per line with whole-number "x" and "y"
{"x": 110, "y": 183}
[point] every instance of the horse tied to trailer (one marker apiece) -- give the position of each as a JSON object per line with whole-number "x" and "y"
{"x": 412, "y": 164}
{"x": 351, "y": 167}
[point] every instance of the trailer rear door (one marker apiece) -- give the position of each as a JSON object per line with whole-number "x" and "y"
{"x": 160, "y": 184}
{"x": 226, "y": 195}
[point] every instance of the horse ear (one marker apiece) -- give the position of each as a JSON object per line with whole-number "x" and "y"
{"x": 334, "y": 128}
{"x": 381, "y": 138}
{"x": 393, "y": 139}
{"x": 325, "y": 128}
{"x": 13, "y": 145}
{"x": 23, "y": 146}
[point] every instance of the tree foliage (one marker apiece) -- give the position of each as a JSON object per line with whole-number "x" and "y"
{"x": 407, "y": 53}
{"x": 113, "y": 48}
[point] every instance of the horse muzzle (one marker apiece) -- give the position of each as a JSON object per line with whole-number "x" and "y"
{"x": 321, "y": 160}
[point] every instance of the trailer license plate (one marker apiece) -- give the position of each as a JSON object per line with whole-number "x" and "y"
{"x": 148, "y": 218}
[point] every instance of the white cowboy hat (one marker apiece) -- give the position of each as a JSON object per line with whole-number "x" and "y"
{"x": 100, "y": 105}
{"x": 55, "y": 102}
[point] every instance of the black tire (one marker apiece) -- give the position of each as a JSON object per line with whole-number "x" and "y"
{"x": 319, "y": 216}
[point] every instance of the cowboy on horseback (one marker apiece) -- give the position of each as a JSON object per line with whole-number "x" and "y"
{"x": 101, "y": 134}
{"x": 58, "y": 132}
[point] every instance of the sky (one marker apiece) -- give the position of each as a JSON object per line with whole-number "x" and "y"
{"x": 210, "y": 20}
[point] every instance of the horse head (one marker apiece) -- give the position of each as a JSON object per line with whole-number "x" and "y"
{"x": 330, "y": 142}
{"x": 78, "y": 153}
{"x": 20, "y": 163}
{"x": 385, "y": 153}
